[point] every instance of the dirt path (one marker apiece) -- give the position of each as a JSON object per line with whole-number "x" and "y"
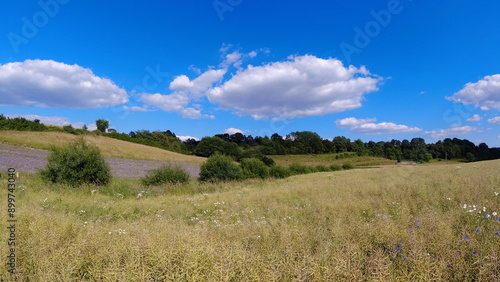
{"x": 30, "y": 160}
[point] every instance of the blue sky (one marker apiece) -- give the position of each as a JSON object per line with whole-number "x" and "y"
{"x": 374, "y": 70}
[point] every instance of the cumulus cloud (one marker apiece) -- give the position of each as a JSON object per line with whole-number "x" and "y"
{"x": 47, "y": 83}
{"x": 185, "y": 91}
{"x": 300, "y": 87}
{"x": 484, "y": 94}
{"x": 475, "y": 117}
{"x": 181, "y": 82}
{"x": 367, "y": 126}
{"x": 232, "y": 131}
{"x": 495, "y": 120}
{"x": 184, "y": 138}
{"x": 450, "y": 132}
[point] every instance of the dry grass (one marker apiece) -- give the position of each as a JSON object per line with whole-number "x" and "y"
{"x": 332, "y": 226}
{"x": 109, "y": 147}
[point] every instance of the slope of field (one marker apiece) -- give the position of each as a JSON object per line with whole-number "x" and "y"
{"x": 109, "y": 147}
{"x": 408, "y": 223}
{"x": 329, "y": 159}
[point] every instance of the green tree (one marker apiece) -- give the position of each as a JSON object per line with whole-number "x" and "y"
{"x": 102, "y": 125}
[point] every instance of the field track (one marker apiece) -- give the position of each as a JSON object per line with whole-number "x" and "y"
{"x": 30, "y": 160}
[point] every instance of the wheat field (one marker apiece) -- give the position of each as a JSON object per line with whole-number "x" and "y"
{"x": 423, "y": 223}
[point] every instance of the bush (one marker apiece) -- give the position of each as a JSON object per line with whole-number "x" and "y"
{"x": 75, "y": 164}
{"x": 254, "y": 168}
{"x": 321, "y": 168}
{"x": 277, "y": 171}
{"x": 335, "y": 167}
{"x": 296, "y": 168}
{"x": 268, "y": 161}
{"x": 165, "y": 174}
{"x": 220, "y": 167}
{"x": 347, "y": 166}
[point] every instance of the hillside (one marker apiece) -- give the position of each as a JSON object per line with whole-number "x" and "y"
{"x": 109, "y": 147}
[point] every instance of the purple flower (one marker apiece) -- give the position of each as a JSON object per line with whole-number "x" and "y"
{"x": 474, "y": 252}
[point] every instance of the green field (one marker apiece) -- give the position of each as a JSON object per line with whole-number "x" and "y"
{"x": 408, "y": 223}
{"x": 329, "y": 159}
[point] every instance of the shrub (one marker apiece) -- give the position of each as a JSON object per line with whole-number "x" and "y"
{"x": 220, "y": 167}
{"x": 321, "y": 168}
{"x": 296, "y": 168}
{"x": 347, "y": 166}
{"x": 278, "y": 171}
{"x": 165, "y": 174}
{"x": 268, "y": 161}
{"x": 75, "y": 164}
{"x": 335, "y": 167}
{"x": 254, "y": 168}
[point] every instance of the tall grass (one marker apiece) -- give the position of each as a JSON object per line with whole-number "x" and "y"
{"x": 384, "y": 224}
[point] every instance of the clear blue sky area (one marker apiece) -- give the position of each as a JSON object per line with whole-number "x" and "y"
{"x": 373, "y": 70}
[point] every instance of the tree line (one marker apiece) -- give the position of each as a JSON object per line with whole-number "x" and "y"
{"x": 241, "y": 146}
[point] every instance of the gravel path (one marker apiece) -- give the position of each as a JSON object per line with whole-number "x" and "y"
{"x": 30, "y": 160}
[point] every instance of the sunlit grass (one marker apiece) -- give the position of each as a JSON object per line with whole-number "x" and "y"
{"x": 379, "y": 224}
{"x": 329, "y": 159}
{"x": 109, "y": 147}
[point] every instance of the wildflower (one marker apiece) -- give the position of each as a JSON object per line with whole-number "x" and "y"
{"x": 474, "y": 252}
{"x": 418, "y": 220}
{"x": 494, "y": 213}
{"x": 478, "y": 229}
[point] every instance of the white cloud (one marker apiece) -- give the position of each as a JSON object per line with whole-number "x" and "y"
{"x": 184, "y": 138}
{"x": 475, "y": 117}
{"x": 232, "y": 131}
{"x": 136, "y": 108}
{"x": 495, "y": 120}
{"x": 300, "y": 87}
{"x": 181, "y": 82}
{"x": 484, "y": 94}
{"x": 54, "y": 120}
{"x": 185, "y": 91}
{"x": 46, "y": 83}
{"x": 367, "y": 126}
{"x": 450, "y": 132}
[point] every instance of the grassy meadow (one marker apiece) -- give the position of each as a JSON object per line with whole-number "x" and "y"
{"x": 109, "y": 147}
{"x": 408, "y": 223}
{"x": 329, "y": 159}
